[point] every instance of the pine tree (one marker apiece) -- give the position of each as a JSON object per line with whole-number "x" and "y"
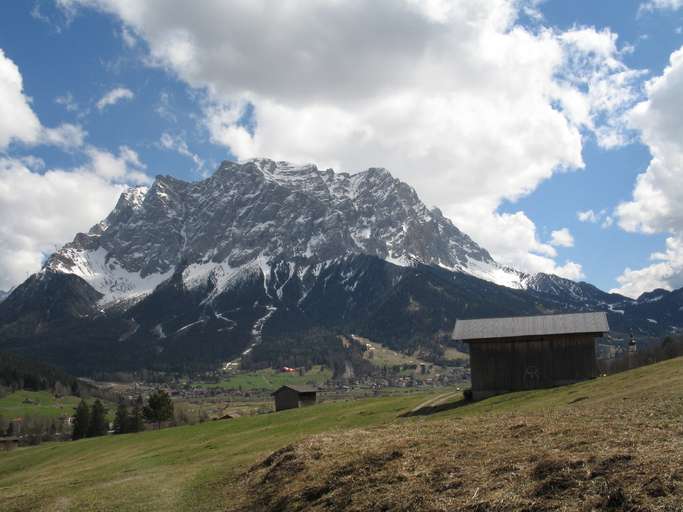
{"x": 81, "y": 421}
{"x": 159, "y": 407}
{"x": 98, "y": 422}
{"x": 121, "y": 419}
{"x": 136, "y": 421}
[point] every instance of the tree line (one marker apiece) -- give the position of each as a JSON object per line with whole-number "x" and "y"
{"x": 19, "y": 373}
{"x": 91, "y": 421}
{"x": 670, "y": 347}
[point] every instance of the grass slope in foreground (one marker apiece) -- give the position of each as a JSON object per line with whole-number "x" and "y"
{"x": 615, "y": 443}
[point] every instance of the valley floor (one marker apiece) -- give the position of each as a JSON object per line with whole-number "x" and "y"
{"x": 615, "y": 443}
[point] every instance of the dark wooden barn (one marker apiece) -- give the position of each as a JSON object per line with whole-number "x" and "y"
{"x": 291, "y": 397}
{"x": 8, "y": 443}
{"x": 516, "y": 353}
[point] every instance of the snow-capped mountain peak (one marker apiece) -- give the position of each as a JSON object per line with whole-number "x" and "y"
{"x": 269, "y": 210}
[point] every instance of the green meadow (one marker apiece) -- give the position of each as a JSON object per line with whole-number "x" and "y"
{"x": 36, "y": 403}
{"x": 196, "y": 467}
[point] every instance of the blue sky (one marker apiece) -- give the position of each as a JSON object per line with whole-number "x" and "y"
{"x": 480, "y": 123}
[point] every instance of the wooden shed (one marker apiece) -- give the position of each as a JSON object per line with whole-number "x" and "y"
{"x": 516, "y": 353}
{"x": 291, "y": 397}
{"x": 8, "y": 443}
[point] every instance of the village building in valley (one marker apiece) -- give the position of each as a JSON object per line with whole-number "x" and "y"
{"x": 517, "y": 353}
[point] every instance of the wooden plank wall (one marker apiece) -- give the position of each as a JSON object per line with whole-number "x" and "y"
{"x": 507, "y": 365}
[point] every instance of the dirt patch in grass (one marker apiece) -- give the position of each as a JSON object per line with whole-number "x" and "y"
{"x": 614, "y": 458}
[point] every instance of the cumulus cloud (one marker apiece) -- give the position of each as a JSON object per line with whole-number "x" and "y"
{"x": 561, "y": 238}
{"x": 114, "y": 96}
{"x": 18, "y": 122}
{"x": 122, "y": 168}
{"x": 513, "y": 239}
{"x": 665, "y": 272}
{"x": 17, "y": 119}
{"x": 656, "y": 205}
{"x": 454, "y": 97}
{"x": 42, "y": 211}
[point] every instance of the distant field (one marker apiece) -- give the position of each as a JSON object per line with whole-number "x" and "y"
{"x": 45, "y": 404}
{"x": 614, "y": 443}
{"x": 272, "y": 379}
{"x": 384, "y": 356}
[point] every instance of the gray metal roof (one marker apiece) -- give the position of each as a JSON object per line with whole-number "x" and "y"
{"x": 297, "y": 388}
{"x": 520, "y": 326}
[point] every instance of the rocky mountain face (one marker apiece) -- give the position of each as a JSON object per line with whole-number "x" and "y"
{"x": 259, "y": 213}
{"x": 203, "y": 272}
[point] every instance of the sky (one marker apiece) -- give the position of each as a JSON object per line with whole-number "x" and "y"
{"x": 549, "y": 131}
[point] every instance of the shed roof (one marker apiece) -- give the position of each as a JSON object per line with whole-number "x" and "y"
{"x": 521, "y": 326}
{"x": 297, "y": 388}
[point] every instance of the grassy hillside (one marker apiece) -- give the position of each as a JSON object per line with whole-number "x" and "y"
{"x": 613, "y": 443}
{"x": 183, "y": 468}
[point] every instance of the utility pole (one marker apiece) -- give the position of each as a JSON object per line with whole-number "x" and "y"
{"x": 632, "y": 350}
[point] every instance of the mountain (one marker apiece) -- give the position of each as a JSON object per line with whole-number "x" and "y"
{"x": 193, "y": 274}
{"x": 257, "y": 213}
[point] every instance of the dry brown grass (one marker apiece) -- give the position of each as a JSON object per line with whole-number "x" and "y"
{"x": 625, "y": 455}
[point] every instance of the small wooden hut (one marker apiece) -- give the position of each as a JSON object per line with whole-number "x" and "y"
{"x": 291, "y": 397}
{"x": 8, "y": 443}
{"x": 516, "y": 353}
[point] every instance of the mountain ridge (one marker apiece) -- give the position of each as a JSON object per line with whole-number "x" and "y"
{"x": 205, "y": 272}
{"x": 265, "y": 209}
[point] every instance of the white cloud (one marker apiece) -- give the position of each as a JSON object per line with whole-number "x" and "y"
{"x": 588, "y": 216}
{"x": 453, "y": 97}
{"x": 128, "y": 37}
{"x": 570, "y": 270}
{"x": 164, "y": 108}
{"x": 513, "y": 239}
{"x": 666, "y": 272}
{"x": 114, "y": 96}
{"x": 41, "y": 211}
{"x": 593, "y": 217}
{"x": 178, "y": 145}
{"x": 65, "y": 136}
{"x": 68, "y": 102}
{"x": 18, "y": 122}
{"x": 656, "y": 205}
{"x": 561, "y": 238}
{"x": 652, "y": 5}
{"x": 124, "y": 168}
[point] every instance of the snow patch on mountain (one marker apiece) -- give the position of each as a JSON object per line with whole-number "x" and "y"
{"x": 220, "y": 276}
{"x": 492, "y": 272}
{"x": 107, "y": 276}
{"x": 495, "y": 273}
